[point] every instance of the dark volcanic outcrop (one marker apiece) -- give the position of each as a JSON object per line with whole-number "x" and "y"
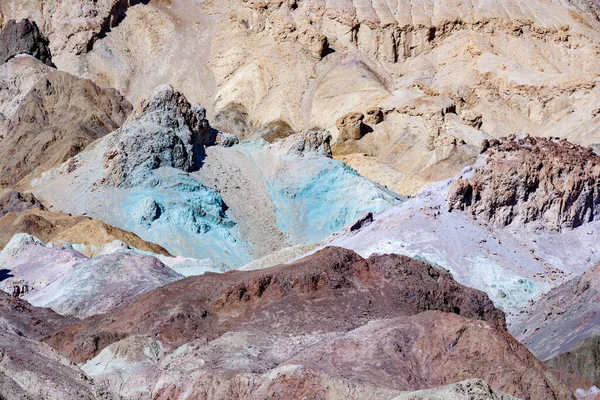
{"x": 24, "y": 37}
{"x": 332, "y": 290}
{"x": 562, "y": 318}
{"x": 549, "y": 182}
{"x": 48, "y": 116}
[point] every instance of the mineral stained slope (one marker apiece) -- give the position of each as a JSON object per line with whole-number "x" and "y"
{"x": 294, "y": 327}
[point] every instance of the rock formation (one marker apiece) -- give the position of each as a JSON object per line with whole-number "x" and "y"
{"x": 551, "y": 183}
{"x": 23, "y": 37}
{"x": 312, "y": 142}
{"x": 558, "y": 321}
{"x": 12, "y": 201}
{"x": 446, "y": 347}
{"x": 26, "y": 215}
{"x": 20, "y": 317}
{"x": 329, "y": 316}
{"x": 343, "y": 281}
{"x": 350, "y": 126}
{"x": 581, "y": 360}
{"x": 47, "y": 116}
{"x": 161, "y": 177}
{"x": 163, "y": 132}
{"x": 102, "y": 283}
{"x": 32, "y": 370}
{"x": 347, "y": 57}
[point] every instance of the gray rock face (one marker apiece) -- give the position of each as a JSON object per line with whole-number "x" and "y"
{"x": 24, "y": 38}
{"x": 167, "y": 131}
{"x": 312, "y": 142}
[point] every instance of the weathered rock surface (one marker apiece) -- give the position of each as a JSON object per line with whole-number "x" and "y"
{"x": 335, "y": 289}
{"x": 562, "y": 318}
{"x": 20, "y": 317}
{"x": 350, "y": 126}
{"x": 28, "y": 264}
{"x": 73, "y": 285}
{"x": 169, "y": 184}
{"x": 164, "y": 132}
{"x": 582, "y": 360}
{"x": 331, "y": 325}
{"x": 73, "y": 27}
{"x": 549, "y": 182}
{"x": 445, "y": 347}
{"x": 23, "y": 37}
{"x": 47, "y": 116}
{"x": 87, "y": 235}
{"x": 102, "y": 283}
{"x": 514, "y": 66}
{"x": 32, "y": 370}
{"x": 13, "y": 201}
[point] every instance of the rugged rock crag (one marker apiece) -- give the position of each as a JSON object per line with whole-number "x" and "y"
{"x": 47, "y": 116}
{"x": 343, "y": 282}
{"x": 166, "y": 131}
{"x": 549, "y": 182}
{"x": 24, "y": 37}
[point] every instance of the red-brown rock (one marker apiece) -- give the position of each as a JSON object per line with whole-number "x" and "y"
{"x": 333, "y": 290}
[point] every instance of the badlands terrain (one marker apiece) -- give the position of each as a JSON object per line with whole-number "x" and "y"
{"x": 299, "y": 199}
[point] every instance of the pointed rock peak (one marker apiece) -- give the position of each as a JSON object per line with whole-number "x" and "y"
{"x": 549, "y": 183}
{"x": 165, "y": 105}
{"x": 166, "y": 131}
{"x": 24, "y": 37}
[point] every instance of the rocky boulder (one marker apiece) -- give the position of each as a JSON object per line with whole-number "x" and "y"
{"x": 549, "y": 183}
{"x": 24, "y": 37}
{"x": 311, "y": 142}
{"x": 350, "y": 126}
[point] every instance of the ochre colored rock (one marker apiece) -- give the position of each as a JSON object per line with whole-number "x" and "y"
{"x": 350, "y": 126}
